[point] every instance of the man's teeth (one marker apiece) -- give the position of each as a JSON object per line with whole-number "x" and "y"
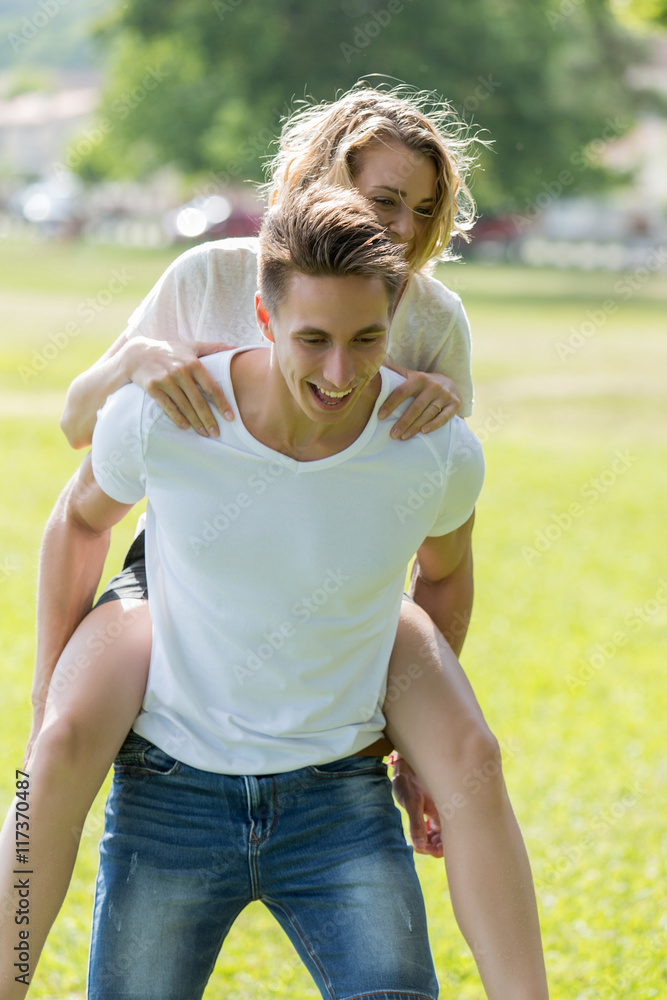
{"x": 334, "y": 395}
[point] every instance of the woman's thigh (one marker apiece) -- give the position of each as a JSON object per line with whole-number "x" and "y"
{"x": 98, "y": 685}
{"x": 432, "y": 713}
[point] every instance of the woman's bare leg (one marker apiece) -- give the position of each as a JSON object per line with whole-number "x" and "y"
{"x": 435, "y": 722}
{"x": 95, "y": 695}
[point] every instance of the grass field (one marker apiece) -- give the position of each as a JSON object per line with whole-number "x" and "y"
{"x": 566, "y": 651}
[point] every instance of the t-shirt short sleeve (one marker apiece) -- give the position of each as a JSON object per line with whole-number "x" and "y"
{"x": 463, "y": 478}
{"x": 117, "y": 451}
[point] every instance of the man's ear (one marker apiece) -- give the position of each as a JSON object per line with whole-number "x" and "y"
{"x": 263, "y": 318}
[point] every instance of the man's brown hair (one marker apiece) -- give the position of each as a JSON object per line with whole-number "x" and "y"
{"x": 326, "y": 231}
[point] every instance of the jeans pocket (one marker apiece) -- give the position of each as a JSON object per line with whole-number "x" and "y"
{"x": 139, "y": 756}
{"x": 348, "y": 767}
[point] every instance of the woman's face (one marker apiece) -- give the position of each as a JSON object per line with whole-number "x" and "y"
{"x": 401, "y": 185}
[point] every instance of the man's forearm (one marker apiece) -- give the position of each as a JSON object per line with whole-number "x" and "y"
{"x": 71, "y": 563}
{"x": 448, "y": 602}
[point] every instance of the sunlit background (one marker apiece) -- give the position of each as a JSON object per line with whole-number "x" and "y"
{"x": 133, "y": 129}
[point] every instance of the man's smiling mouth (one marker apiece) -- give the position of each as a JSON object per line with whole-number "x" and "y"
{"x": 328, "y": 396}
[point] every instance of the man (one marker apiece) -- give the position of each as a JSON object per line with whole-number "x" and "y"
{"x": 276, "y": 557}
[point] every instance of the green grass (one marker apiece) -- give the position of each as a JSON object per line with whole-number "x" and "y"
{"x": 566, "y": 647}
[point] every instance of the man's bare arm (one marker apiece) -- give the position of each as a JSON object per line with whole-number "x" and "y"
{"x": 442, "y": 582}
{"x": 74, "y": 547}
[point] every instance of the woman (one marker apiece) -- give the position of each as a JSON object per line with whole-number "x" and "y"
{"x": 409, "y": 165}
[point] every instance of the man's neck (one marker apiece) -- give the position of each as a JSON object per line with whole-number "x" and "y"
{"x": 270, "y": 413}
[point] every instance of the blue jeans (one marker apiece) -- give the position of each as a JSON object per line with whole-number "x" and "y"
{"x": 184, "y": 851}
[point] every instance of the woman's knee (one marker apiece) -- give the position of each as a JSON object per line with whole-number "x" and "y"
{"x": 63, "y": 745}
{"x": 480, "y": 751}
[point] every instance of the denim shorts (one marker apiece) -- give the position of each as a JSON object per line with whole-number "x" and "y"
{"x": 184, "y": 851}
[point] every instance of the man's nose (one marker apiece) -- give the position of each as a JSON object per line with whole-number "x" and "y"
{"x": 339, "y": 368}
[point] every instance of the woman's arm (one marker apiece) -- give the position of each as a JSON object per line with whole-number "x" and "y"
{"x": 169, "y": 371}
{"x": 192, "y": 306}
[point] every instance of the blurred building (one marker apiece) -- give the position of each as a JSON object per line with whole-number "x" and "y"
{"x": 35, "y": 128}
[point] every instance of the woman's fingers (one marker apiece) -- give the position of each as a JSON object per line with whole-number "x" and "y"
{"x": 173, "y": 375}
{"x": 436, "y": 400}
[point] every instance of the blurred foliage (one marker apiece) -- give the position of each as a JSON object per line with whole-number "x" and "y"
{"x": 202, "y": 84}
{"x": 641, "y": 11}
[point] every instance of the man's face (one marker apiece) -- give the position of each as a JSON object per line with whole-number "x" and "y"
{"x": 330, "y": 337}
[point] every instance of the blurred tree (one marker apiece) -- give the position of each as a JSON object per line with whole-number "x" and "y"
{"x": 203, "y": 83}
{"x": 646, "y": 11}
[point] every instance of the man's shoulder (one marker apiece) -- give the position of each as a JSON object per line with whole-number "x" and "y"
{"x": 454, "y": 440}
{"x": 125, "y": 415}
{"x": 455, "y": 430}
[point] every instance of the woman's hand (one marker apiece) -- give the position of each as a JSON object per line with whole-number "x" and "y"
{"x": 172, "y": 374}
{"x": 437, "y": 400}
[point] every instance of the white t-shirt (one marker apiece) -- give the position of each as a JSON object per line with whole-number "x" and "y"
{"x": 275, "y": 585}
{"x": 208, "y": 293}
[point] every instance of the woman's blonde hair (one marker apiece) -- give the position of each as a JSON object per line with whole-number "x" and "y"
{"x": 322, "y": 142}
